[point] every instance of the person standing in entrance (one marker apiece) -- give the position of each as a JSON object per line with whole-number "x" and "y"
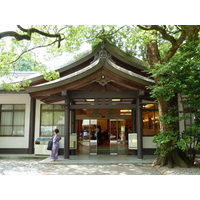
{"x": 126, "y": 132}
{"x": 55, "y": 147}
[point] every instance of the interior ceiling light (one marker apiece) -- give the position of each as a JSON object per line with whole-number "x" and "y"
{"x": 116, "y": 99}
{"x": 89, "y": 99}
{"x": 125, "y": 110}
{"x": 148, "y": 105}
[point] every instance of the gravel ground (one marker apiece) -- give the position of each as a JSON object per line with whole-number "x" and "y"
{"x": 181, "y": 171}
{"x": 11, "y": 166}
{"x": 33, "y": 167}
{"x": 178, "y": 171}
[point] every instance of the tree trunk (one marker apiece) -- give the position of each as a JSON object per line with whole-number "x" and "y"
{"x": 175, "y": 157}
{"x": 172, "y": 159}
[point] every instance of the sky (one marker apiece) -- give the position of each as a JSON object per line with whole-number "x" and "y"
{"x": 101, "y": 12}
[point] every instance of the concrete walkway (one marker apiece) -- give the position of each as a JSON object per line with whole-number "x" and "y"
{"x": 101, "y": 160}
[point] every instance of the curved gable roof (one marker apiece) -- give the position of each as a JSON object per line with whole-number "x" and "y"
{"x": 105, "y": 66}
{"x": 89, "y": 57}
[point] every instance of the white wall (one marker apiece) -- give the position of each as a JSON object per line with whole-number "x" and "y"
{"x": 16, "y": 142}
{"x": 148, "y": 143}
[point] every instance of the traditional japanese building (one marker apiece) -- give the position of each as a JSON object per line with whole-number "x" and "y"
{"x": 100, "y": 104}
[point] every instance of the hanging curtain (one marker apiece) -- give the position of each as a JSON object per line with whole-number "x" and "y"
{"x": 18, "y": 123}
{"x": 6, "y": 123}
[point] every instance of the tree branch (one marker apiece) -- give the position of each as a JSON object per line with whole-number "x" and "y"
{"x": 164, "y": 33}
{"x": 14, "y": 34}
{"x": 33, "y": 49}
{"x": 161, "y": 30}
{"x": 175, "y": 47}
{"x": 29, "y": 33}
{"x": 34, "y": 30}
{"x": 118, "y": 29}
{"x": 146, "y": 28}
{"x": 176, "y": 43}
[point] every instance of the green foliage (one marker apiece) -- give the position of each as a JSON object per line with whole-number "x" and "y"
{"x": 24, "y": 65}
{"x": 166, "y": 141}
{"x": 49, "y": 75}
{"x": 15, "y": 86}
{"x": 190, "y": 141}
{"x": 190, "y": 138}
{"x": 180, "y": 75}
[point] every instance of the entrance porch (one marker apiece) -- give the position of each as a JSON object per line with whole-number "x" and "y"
{"x": 107, "y": 79}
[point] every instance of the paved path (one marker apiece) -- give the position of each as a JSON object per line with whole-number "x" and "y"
{"x": 25, "y": 166}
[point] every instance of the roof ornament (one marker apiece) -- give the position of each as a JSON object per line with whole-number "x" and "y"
{"x": 102, "y": 53}
{"x": 103, "y": 80}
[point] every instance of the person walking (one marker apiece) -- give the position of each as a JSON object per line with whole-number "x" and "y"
{"x": 55, "y": 147}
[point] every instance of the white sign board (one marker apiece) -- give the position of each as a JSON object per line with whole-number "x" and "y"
{"x": 132, "y": 140}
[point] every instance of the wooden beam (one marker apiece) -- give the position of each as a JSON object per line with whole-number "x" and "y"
{"x": 130, "y": 106}
{"x": 103, "y": 94}
{"x": 32, "y": 126}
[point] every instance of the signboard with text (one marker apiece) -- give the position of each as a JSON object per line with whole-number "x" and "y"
{"x": 103, "y": 112}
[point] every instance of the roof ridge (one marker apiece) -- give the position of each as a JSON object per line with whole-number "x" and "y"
{"x": 119, "y": 51}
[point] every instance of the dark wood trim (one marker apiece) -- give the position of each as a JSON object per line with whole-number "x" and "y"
{"x": 130, "y": 106}
{"x": 103, "y": 94}
{"x": 148, "y": 151}
{"x": 67, "y": 128}
{"x": 130, "y": 67}
{"x": 12, "y": 135}
{"x": 61, "y": 151}
{"x": 14, "y": 151}
{"x": 133, "y": 116}
{"x": 139, "y": 128}
{"x": 85, "y": 78}
{"x": 32, "y": 126}
{"x": 73, "y": 121}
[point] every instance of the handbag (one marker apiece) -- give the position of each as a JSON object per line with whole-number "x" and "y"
{"x": 50, "y": 144}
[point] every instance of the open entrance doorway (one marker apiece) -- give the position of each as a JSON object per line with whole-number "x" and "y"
{"x": 103, "y": 136}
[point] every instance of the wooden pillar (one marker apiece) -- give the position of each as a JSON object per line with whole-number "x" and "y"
{"x": 133, "y": 113}
{"x": 67, "y": 128}
{"x": 139, "y": 128}
{"x": 73, "y": 119}
{"x": 32, "y": 126}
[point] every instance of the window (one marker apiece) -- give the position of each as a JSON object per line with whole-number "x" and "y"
{"x": 12, "y": 119}
{"x": 52, "y": 117}
{"x": 190, "y": 119}
{"x": 150, "y": 122}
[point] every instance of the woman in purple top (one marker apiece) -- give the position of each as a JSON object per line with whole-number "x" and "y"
{"x": 55, "y": 147}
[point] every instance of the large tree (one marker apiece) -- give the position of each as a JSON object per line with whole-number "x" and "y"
{"x": 158, "y": 57}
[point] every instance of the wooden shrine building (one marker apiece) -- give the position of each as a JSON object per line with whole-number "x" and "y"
{"x": 100, "y": 98}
